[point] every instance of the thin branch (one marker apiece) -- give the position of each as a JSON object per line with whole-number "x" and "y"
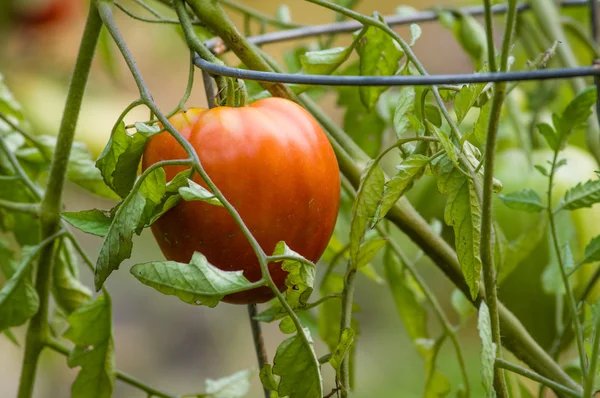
{"x": 259, "y": 342}
{"x": 262, "y": 17}
{"x": 487, "y": 234}
{"x": 26, "y": 208}
{"x": 32, "y": 139}
{"x": 563, "y": 272}
{"x": 124, "y": 377}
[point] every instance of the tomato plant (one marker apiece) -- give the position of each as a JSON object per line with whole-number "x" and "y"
{"x": 493, "y": 184}
{"x": 275, "y": 164}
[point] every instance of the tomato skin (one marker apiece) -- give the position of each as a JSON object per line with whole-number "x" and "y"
{"x": 46, "y": 13}
{"x": 275, "y": 165}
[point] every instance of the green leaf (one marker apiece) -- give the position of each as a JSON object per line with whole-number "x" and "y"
{"x": 364, "y": 126}
{"x": 466, "y": 98}
{"x": 481, "y": 125}
{"x": 379, "y": 56}
{"x": 171, "y": 196}
{"x": 301, "y": 276}
{"x": 8, "y": 104}
{"x": 119, "y": 160}
{"x": 549, "y": 135}
{"x": 370, "y": 272}
{"x": 445, "y": 141}
{"x": 198, "y": 282}
{"x": 346, "y": 341}
{"x": 463, "y": 213}
{"x": 83, "y": 172}
{"x": 132, "y": 215}
{"x": 324, "y": 62}
{"x": 298, "y": 367}
{"x": 526, "y": 200}
{"x": 91, "y": 331}
{"x": 576, "y": 113}
{"x": 95, "y": 222}
{"x": 408, "y": 300}
{"x": 519, "y": 249}
{"x": 552, "y": 281}
{"x": 462, "y": 306}
{"x": 405, "y": 105}
{"x": 471, "y": 36}
{"x": 287, "y": 326}
{"x": 582, "y": 195}
{"x": 235, "y": 386}
{"x": 365, "y": 206}
{"x": 69, "y": 293}
{"x": 488, "y": 349}
{"x": 368, "y": 250}
{"x": 411, "y": 169}
{"x": 592, "y": 251}
{"x": 433, "y": 114}
{"x": 415, "y": 33}
{"x": 330, "y": 311}
{"x": 267, "y": 378}
{"x": 19, "y": 300}
{"x": 437, "y": 384}
{"x": 273, "y": 313}
{"x": 197, "y": 192}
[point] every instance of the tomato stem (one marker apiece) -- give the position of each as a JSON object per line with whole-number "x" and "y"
{"x": 38, "y": 329}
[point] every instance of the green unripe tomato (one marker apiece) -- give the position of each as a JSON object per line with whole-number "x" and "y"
{"x": 524, "y": 284}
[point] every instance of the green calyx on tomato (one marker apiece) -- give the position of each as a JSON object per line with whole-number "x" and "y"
{"x": 274, "y": 164}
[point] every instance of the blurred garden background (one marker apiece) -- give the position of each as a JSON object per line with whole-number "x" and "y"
{"x": 159, "y": 339}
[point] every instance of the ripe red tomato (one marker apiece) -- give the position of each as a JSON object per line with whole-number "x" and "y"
{"x": 41, "y": 13}
{"x": 274, "y": 164}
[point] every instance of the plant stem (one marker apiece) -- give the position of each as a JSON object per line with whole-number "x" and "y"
{"x": 124, "y": 377}
{"x": 548, "y": 17}
{"x": 563, "y": 272}
{"x": 32, "y": 209}
{"x": 197, "y": 46}
{"x": 590, "y": 380}
{"x": 345, "y": 323}
{"x": 19, "y": 171}
{"x": 38, "y": 330}
{"x": 264, "y": 18}
{"x": 437, "y": 308}
{"x": 501, "y": 363}
{"x": 487, "y": 235}
{"x": 259, "y": 342}
{"x": 210, "y": 12}
{"x": 32, "y": 139}
{"x": 489, "y": 30}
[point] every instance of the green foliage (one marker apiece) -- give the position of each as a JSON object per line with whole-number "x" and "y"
{"x": 91, "y": 332}
{"x": 197, "y": 192}
{"x": 19, "y": 300}
{"x": 582, "y": 195}
{"x": 68, "y": 291}
{"x": 95, "y": 222}
{"x": 365, "y": 126}
{"x": 120, "y": 159}
{"x": 198, "y": 282}
{"x": 488, "y": 349}
{"x": 297, "y": 366}
{"x": 411, "y": 169}
{"x": 301, "y": 276}
{"x": 342, "y": 349}
{"x": 409, "y": 302}
{"x": 404, "y": 106}
{"x": 463, "y": 213}
{"x": 379, "y": 56}
{"x": 526, "y": 200}
{"x": 235, "y": 386}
